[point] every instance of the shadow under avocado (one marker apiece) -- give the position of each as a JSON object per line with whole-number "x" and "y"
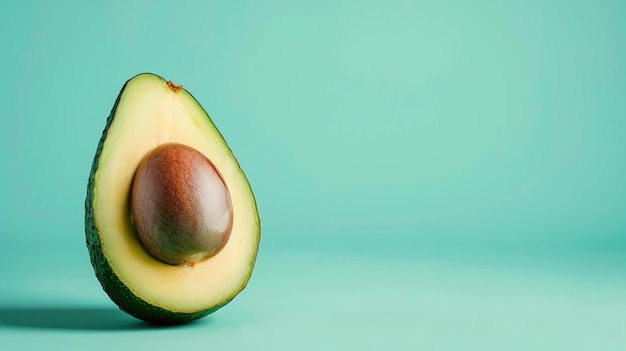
{"x": 70, "y": 318}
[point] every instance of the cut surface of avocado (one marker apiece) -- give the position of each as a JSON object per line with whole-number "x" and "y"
{"x": 148, "y": 113}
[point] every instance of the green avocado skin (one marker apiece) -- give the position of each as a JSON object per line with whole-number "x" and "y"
{"x": 118, "y": 292}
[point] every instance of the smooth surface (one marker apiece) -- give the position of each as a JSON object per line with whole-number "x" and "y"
{"x": 312, "y": 301}
{"x": 181, "y": 208}
{"x": 441, "y": 175}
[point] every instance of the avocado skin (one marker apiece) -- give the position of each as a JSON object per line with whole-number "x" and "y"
{"x": 119, "y": 293}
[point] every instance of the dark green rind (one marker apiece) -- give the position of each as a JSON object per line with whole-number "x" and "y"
{"x": 123, "y": 297}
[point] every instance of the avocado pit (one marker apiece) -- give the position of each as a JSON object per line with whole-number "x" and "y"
{"x": 180, "y": 206}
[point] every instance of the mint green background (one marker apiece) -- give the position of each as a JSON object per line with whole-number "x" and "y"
{"x": 440, "y": 175}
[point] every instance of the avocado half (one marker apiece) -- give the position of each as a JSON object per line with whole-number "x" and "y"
{"x": 148, "y": 112}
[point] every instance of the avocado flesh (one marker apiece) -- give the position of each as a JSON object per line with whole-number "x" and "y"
{"x": 149, "y": 113}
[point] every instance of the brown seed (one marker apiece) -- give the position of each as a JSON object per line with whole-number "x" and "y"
{"x": 180, "y": 205}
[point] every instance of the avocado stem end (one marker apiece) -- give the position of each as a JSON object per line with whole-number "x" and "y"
{"x": 173, "y": 85}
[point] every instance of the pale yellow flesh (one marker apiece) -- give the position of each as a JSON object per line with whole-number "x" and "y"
{"x": 151, "y": 113}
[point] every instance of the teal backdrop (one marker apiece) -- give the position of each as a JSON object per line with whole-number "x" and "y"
{"x": 430, "y": 175}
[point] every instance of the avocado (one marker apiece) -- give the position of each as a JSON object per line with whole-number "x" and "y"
{"x": 171, "y": 222}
